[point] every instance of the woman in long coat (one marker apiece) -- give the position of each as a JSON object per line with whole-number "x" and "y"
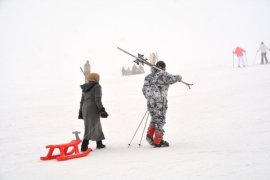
{"x": 91, "y": 109}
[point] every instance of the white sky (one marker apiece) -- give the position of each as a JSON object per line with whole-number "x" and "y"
{"x": 49, "y": 40}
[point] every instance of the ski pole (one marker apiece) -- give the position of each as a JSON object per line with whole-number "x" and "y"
{"x": 233, "y": 60}
{"x": 144, "y": 129}
{"x": 137, "y": 129}
{"x": 255, "y": 57}
{"x": 82, "y": 70}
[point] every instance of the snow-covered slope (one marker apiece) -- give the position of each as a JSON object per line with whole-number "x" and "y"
{"x": 217, "y": 130}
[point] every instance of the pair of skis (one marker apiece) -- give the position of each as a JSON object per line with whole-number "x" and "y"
{"x": 141, "y": 60}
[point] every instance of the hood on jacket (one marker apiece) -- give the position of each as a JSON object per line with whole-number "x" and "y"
{"x": 88, "y": 86}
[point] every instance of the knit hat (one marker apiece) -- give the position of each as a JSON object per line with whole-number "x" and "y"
{"x": 93, "y": 77}
{"x": 161, "y": 64}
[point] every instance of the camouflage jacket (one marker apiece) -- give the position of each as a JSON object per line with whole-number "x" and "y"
{"x": 157, "y": 83}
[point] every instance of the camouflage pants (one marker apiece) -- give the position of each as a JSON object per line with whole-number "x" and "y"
{"x": 157, "y": 109}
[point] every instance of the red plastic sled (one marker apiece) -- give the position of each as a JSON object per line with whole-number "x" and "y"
{"x": 64, "y": 154}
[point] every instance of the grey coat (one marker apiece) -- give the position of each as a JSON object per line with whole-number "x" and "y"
{"x": 90, "y": 107}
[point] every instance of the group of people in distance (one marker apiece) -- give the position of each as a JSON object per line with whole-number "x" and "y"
{"x": 240, "y": 52}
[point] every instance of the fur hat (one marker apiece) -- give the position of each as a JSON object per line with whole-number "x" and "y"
{"x": 93, "y": 77}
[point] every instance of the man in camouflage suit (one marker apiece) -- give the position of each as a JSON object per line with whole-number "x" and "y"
{"x": 155, "y": 90}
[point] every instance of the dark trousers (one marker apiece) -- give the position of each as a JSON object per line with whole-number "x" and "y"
{"x": 263, "y": 56}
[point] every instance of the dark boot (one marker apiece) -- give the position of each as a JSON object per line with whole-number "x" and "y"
{"x": 100, "y": 145}
{"x": 149, "y": 139}
{"x": 162, "y": 144}
{"x": 84, "y": 145}
{"x": 158, "y": 140}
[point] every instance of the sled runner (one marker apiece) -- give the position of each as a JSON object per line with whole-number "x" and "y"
{"x": 64, "y": 154}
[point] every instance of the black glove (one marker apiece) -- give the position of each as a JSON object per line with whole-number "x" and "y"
{"x": 80, "y": 115}
{"x": 103, "y": 113}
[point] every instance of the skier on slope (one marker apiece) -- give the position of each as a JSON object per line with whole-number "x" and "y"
{"x": 86, "y": 70}
{"x": 263, "y": 48}
{"x": 155, "y": 90}
{"x": 240, "y": 55}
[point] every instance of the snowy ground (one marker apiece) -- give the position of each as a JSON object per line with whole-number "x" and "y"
{"x": 218, "y": 130}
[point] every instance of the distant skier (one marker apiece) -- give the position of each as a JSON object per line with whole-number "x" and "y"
{"x": 91, "y": 108}
{"x": 86, "y": 70}
{"x": 263, "y": 48}
{"x": 240, "y": 55}
{"x": 153, "y": 58}
{"x": 155, "y": 90}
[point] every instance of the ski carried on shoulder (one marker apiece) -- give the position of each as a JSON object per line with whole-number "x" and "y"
{"x": 140, "y": 59}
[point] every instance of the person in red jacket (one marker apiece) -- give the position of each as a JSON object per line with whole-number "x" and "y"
{"x": 239, "y": 52}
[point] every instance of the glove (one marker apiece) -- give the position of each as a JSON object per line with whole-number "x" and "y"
{"x": 103, "y": 113}
{"x": 80, "y": 115}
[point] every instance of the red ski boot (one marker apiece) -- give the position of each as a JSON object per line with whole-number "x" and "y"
{"x": 150, "y": 134}
{"x": 158, "y": 140}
